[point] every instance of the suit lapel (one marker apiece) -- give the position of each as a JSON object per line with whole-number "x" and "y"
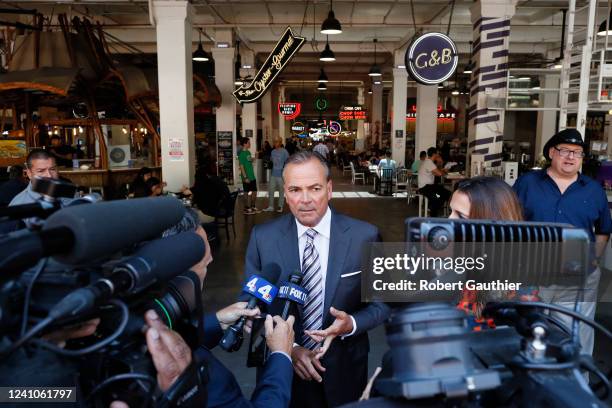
{"x": 338, "y": 250}
{"x": 288, "y": 248}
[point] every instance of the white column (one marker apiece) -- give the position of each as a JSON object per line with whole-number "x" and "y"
{"x": 282, "y": 122}
{"x": 224, "y": 78}
{"x": 360, "y": 123}
{"x": 266, "y": 112}
{"x": 426, "y": 117}
{"x": 398, "y": 124}
{"x": 547, "y": 120}
{"x": 376, "y": 128}
{"x": 175, "y": 78}
{"x": 249, "y": 110}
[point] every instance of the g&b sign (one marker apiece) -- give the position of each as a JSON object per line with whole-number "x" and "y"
{"x": 432, "y": 58}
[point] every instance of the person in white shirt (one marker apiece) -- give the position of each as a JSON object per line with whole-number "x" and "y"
{"x": 435, "y": 193}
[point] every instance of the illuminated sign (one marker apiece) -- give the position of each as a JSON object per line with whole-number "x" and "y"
{"x": 352, "y": 113}
{"x": 441, "y": 115}
{"x": 321, "y": 104}
{"x": 298, "y": 127}
{"x": 285, "y": 49}
{"x": 432, "y": 58}
{"x": 290, "y": 110}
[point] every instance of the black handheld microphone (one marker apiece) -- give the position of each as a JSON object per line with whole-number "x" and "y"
{"x": 259, "y": 287}
{"x": 157, "y": 261}
{"x": 293, "y": 294}
{"x": 83, "y": 233}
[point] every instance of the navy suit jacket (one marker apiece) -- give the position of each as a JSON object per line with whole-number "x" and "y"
{"x": 346, "y": 360}
{"x": 273, "y": 388}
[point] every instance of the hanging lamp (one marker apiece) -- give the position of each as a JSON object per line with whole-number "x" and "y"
{"x": 331, "y": 25}
{"x": 199, "y": 54}
{"x": 375, "y": 69}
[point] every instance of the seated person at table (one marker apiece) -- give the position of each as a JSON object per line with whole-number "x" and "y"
{"x": 387, "y": 163}
{"x": 153, "y": 188}
{"x": 138, "y": 187}
{"x": 416, "y": 164}
{"x": 435, "y": 193}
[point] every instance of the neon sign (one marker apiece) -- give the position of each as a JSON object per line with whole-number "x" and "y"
{"x": 290, "y": 110}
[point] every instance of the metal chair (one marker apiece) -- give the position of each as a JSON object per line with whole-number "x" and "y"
{"x": 386, "y": 181}
{"x": 346, "y": 168}
{"x": 423, "y": 205}
{"x": 355, "y": 175}
{"x": 412, "y": 187}
{"x": 402, "y": 178}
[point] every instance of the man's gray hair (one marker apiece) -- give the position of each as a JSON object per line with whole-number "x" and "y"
{"x": 305, "y": 156}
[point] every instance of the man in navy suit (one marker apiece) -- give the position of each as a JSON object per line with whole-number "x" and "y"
{"x": 327, "y": 248}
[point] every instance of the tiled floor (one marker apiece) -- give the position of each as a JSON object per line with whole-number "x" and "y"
{"x": 388, "y": 213}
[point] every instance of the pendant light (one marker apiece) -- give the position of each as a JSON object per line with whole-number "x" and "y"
{"x": 322, "y": 86}
{"x": 468, "y": 67}
{"x": 375, "y": 69}
{"x": 327, "y": 54}
{"x": 331, "y": 25}
{"x": 200, "y": 55}
{"x": 237, "y": 65}
{"x": 322, "y": 76}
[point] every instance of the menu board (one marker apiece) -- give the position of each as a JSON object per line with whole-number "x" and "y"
{"x": 225, "y": 156}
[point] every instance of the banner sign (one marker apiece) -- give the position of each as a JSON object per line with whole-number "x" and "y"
{"x": 290, "y": 110}
{"x": 432, "y": 58}
{"x": 285, "y": 49}
{"x": 353, "y": 113}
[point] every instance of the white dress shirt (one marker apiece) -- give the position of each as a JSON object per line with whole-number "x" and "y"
{"x": 321, "y": 243}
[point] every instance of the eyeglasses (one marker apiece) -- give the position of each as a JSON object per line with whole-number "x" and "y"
{"x": 567, "y": 153}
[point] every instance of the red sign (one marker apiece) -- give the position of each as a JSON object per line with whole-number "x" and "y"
{"x": 353, "y": 113}
{"x": 290, "y": 110}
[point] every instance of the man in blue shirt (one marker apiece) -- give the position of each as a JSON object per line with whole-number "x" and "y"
{"x": 561, "y": 194}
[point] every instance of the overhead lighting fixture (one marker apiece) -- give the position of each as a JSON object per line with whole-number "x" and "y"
{"x": 455, "y": 92}
{"x": 536, "y": 88}
{"x": 327, "y": 54}
{"x": 222, "y": 45}
{"x": 557, "y": 66}
{"x": 246, "y": 66}
{"x": 440, "y": 86}
{"x": 238, "y": 82}
{"x": 200, "y": 55}
{"x": 375, "y": 69}
{"x": 401, "y": 67}
{"x": 377, "y": 82}
{"x": 524, "y": 79}
{"x": 603, "y": 31}
{"x": 331, "y": 25}
{"x": 370, "y": 91}
{"x": 322, "y": 86}
{"x": 322, "y": 76}
{"x": 237, "y": 79}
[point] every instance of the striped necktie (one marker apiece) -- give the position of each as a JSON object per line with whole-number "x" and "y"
{"x": 312, "y": 317}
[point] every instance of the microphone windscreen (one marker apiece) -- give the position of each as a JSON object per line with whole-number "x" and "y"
{"x": 169, "y": 257}
{"x": 104, "y": 228}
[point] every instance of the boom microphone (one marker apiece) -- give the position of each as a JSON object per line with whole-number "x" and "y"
{"x": 260, "y": 287}
{"x": 156, "y": 261}
{"x": 82, "y": 233}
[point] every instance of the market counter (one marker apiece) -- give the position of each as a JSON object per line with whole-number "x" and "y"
{"x": 113, "y": 181}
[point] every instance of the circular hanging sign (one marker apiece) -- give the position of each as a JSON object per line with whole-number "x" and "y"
{"x": 298, "y": 128}
{"x": 432, "y": 58}
{"x": 321, "y": 104}
{"x": 334, "y": 128}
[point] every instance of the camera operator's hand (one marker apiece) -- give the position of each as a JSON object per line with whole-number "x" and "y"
{"x": 171, "y": 355}
{"x": 279, "y": 333}
{"x": 229, "y": 315}
{"x": 84, "y": 329}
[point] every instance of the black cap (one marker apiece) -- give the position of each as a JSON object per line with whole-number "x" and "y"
{"x": 566, "y": 136}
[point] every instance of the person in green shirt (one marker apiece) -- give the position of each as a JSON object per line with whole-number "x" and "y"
{"x": 245, "y": 161}
{"x": 417, "y": 163}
